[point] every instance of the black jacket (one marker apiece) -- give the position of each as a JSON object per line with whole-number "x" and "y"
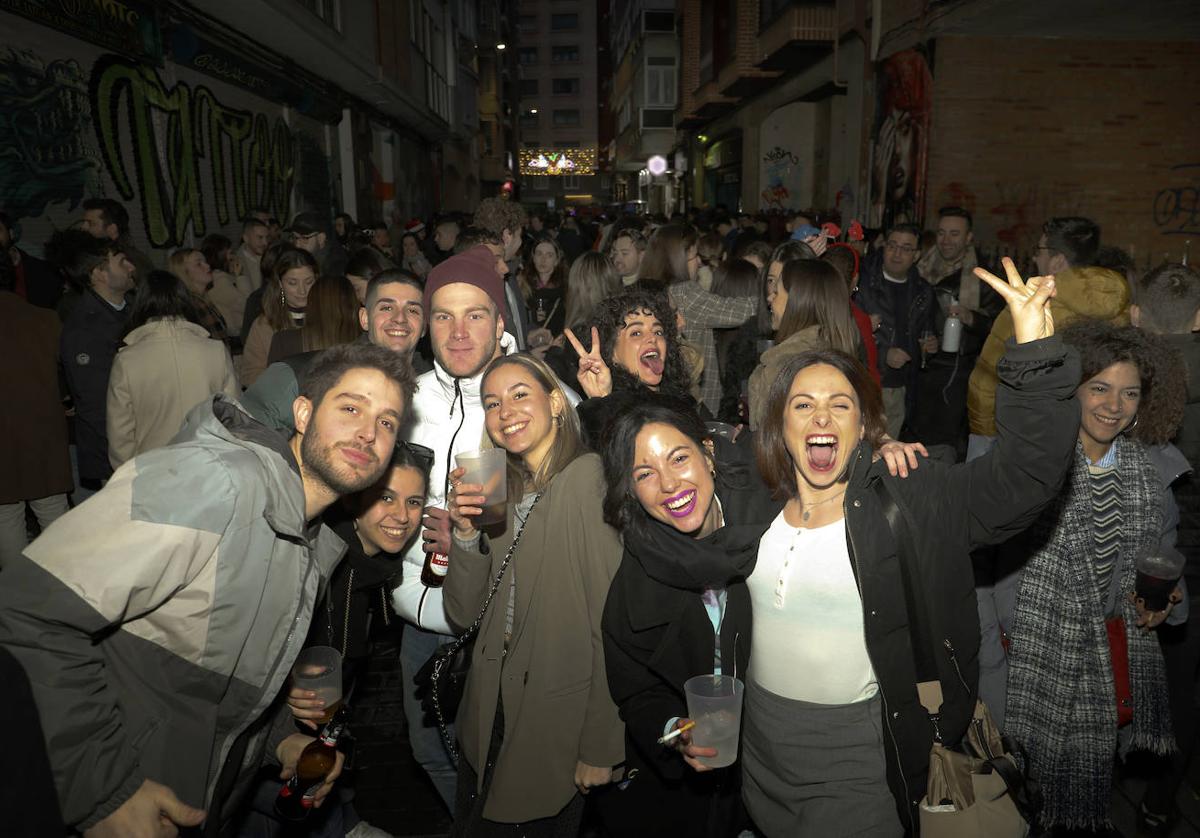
{"x": 973, "y": 336}
{"x": 656, "y": 636}
{"x": 43, "y": 283}
{"x": 903, "y": 323}
{"x": 88, "y": 346}
{"x": 951, "y": 511}
{"x": 1187, "y": 439}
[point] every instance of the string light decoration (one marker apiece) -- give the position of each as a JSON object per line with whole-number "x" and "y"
{"x": 546, "y": 161}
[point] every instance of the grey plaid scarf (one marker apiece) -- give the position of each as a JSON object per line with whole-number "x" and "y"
{"x": 1061, "y": 701}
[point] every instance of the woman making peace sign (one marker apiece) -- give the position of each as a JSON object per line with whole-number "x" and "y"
{"x": 832, "y": 721}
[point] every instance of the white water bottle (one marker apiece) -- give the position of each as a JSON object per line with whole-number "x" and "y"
{"x": 952, "y": 332}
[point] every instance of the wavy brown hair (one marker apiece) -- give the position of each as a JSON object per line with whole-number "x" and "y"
{"x": 817, "y": 296}
{"x": 770, "y": 447}
{"x": 1160, "y": 366}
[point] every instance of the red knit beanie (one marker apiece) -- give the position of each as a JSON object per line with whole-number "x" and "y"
{"x": 477, "y": 267}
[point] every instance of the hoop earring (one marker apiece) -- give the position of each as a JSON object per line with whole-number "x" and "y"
{"x": 559, "y": 421}
{"x": 1133, "y": 424}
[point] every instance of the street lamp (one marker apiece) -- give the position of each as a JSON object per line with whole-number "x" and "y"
{"x": 502, "y": 47}
{"x": 533, "y": 111}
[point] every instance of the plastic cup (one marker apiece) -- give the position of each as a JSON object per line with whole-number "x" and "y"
{"x": 319, "y": 668}
{"x": 715, "y": 705}
{"x": 487, "y": 468}
{"x": 720, "y": 429}
{"x": 1157, "y": 576}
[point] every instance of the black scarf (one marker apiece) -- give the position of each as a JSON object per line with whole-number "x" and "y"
{"x": 677, "y": 559}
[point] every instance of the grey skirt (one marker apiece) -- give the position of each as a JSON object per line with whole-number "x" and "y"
{"x": 815, "y": 769}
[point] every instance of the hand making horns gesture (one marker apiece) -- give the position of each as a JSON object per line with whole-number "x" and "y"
{"x": 1028, "y": 301}
{"x": 594, "y": 375}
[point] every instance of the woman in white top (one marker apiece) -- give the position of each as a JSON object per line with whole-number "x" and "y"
{"x": 835, "y": 741}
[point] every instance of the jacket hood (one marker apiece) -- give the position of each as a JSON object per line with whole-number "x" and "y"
{"x": 163, "y": 326}
{"x": 226, "y": 420}
{"x": 1093, "y": 292}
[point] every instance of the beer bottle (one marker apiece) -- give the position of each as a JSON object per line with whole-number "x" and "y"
{"x": 433, "y": 574}
{"x": 295, "y": 799}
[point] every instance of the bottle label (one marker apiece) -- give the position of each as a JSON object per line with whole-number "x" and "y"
{"x": 439, "y": 564}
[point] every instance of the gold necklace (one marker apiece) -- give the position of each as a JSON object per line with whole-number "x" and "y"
{"x": 807, "y": 513}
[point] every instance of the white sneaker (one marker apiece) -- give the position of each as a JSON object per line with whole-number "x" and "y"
{"x": 365, "y": 830}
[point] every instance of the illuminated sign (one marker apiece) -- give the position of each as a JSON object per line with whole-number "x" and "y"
{"x": 657, "y": 164}
{"x": 544, "y": 161}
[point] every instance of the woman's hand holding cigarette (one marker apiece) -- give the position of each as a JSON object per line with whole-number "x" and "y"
{"x": 690, "y": 752}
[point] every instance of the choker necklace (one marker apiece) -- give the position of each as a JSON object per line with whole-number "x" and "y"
{"x": 807, "y": 513}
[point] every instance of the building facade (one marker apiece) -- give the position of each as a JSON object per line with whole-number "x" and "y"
{"x": 558, "y": 115}
{"x": 645, "y": 93}
{"x": 192, "y": 114}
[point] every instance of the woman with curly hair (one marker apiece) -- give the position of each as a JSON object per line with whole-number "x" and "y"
{"x": 635, "y": 347}
{"x": 1073, "y": 597}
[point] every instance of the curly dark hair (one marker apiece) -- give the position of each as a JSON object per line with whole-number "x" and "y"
{"x": 1161, "y": 367}
{"x": 609, "y": 318}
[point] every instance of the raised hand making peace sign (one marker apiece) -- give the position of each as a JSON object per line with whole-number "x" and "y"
{"x": 1028, "y": 301}
{"x": 594, "y": 375}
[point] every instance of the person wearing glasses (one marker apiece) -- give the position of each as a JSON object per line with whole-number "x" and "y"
{"x": 892, "y": 290}
{"x": 311, "y": 232}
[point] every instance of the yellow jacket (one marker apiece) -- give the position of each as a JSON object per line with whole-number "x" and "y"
{"x": 1082, "y": 293}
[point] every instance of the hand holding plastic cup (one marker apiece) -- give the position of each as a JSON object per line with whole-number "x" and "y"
{"x": 715, "y": 705}
{"x": 1157, "y": 576}
{"x": 487, "y": 468}
{"x": 319, "y": 668}
{"x": 721, "y": 429}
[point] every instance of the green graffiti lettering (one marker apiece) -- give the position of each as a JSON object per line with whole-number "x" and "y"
{"x": 170, "y": 132}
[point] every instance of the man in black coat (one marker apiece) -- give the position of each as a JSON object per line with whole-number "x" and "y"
{"x": 91, "y": 332}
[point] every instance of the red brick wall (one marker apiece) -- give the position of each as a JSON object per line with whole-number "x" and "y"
{"x": 1024, "y": 129}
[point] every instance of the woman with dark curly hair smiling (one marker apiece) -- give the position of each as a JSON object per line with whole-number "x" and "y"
{"x": 1073, "y": 597}
{"x": 635, "y": 347}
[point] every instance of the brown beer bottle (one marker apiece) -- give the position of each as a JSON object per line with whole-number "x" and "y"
{"x": 295, "y": 799}
{"x": 433, "y": 574}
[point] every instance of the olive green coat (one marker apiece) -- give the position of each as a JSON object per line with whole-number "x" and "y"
{"x": 557, "y": 708}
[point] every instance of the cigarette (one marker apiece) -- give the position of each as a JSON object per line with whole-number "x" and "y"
{"x": 662, "y": 740}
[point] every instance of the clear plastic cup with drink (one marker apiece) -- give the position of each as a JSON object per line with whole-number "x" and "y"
{"x": 319, "y": 668}
{"x": 1157, "y": 576}
{"x": 487, "y": 468}
{"x": 715, "y": 705}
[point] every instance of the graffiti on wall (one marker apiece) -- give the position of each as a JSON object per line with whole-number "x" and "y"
{"x": 181, "y": 139}
{"x": 1177, "y": 207}
{"x": 901, "y": 148}
{"x": 46, "y": 152}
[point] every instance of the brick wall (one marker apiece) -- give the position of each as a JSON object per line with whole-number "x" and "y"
{"x": 1024, "y": 129}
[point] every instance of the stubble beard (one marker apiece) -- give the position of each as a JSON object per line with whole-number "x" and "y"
{"x": 317, "y": 461}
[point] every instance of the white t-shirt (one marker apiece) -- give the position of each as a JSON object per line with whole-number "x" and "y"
{"x": 808, "y": 643}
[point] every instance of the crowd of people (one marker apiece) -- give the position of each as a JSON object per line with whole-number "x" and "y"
{"x": 709, "y": 423}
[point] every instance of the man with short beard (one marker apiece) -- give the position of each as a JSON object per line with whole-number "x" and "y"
{"x": 158, "y": 622}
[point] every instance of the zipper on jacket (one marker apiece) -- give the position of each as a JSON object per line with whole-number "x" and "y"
{"x": 882, "y": 695}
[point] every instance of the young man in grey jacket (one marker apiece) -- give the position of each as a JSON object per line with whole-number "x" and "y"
{"x": 158, "y": 621}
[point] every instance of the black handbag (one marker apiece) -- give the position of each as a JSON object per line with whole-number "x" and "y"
{"x": 442, "y": 679}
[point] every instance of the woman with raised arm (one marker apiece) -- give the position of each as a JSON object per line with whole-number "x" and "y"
{"x": 537, "y": 727}
{"x": 835, "y": 739}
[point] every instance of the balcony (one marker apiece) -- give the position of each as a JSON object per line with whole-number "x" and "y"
{"x": 797, "y": 36}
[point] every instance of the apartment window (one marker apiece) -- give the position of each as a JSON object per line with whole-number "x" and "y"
{"x": 565, "y": 87}
{"x": 566, "y": 143}
{"x": 658, "y": 118}
{"x": 660, "y": 81}
{"x": 624, "y": 115}
{"x": 529, "y": 87}
{"x": 659, "y": 22}
{"x": 570, "y": 182}
{"x": 563, "y": 22}
{"x": 528, "y": 55}
{"x": 329, "y": 11}
{"x": 566, "y": 116}
{"x": 527, "y": 23}
{"x": 563, "y": 54}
